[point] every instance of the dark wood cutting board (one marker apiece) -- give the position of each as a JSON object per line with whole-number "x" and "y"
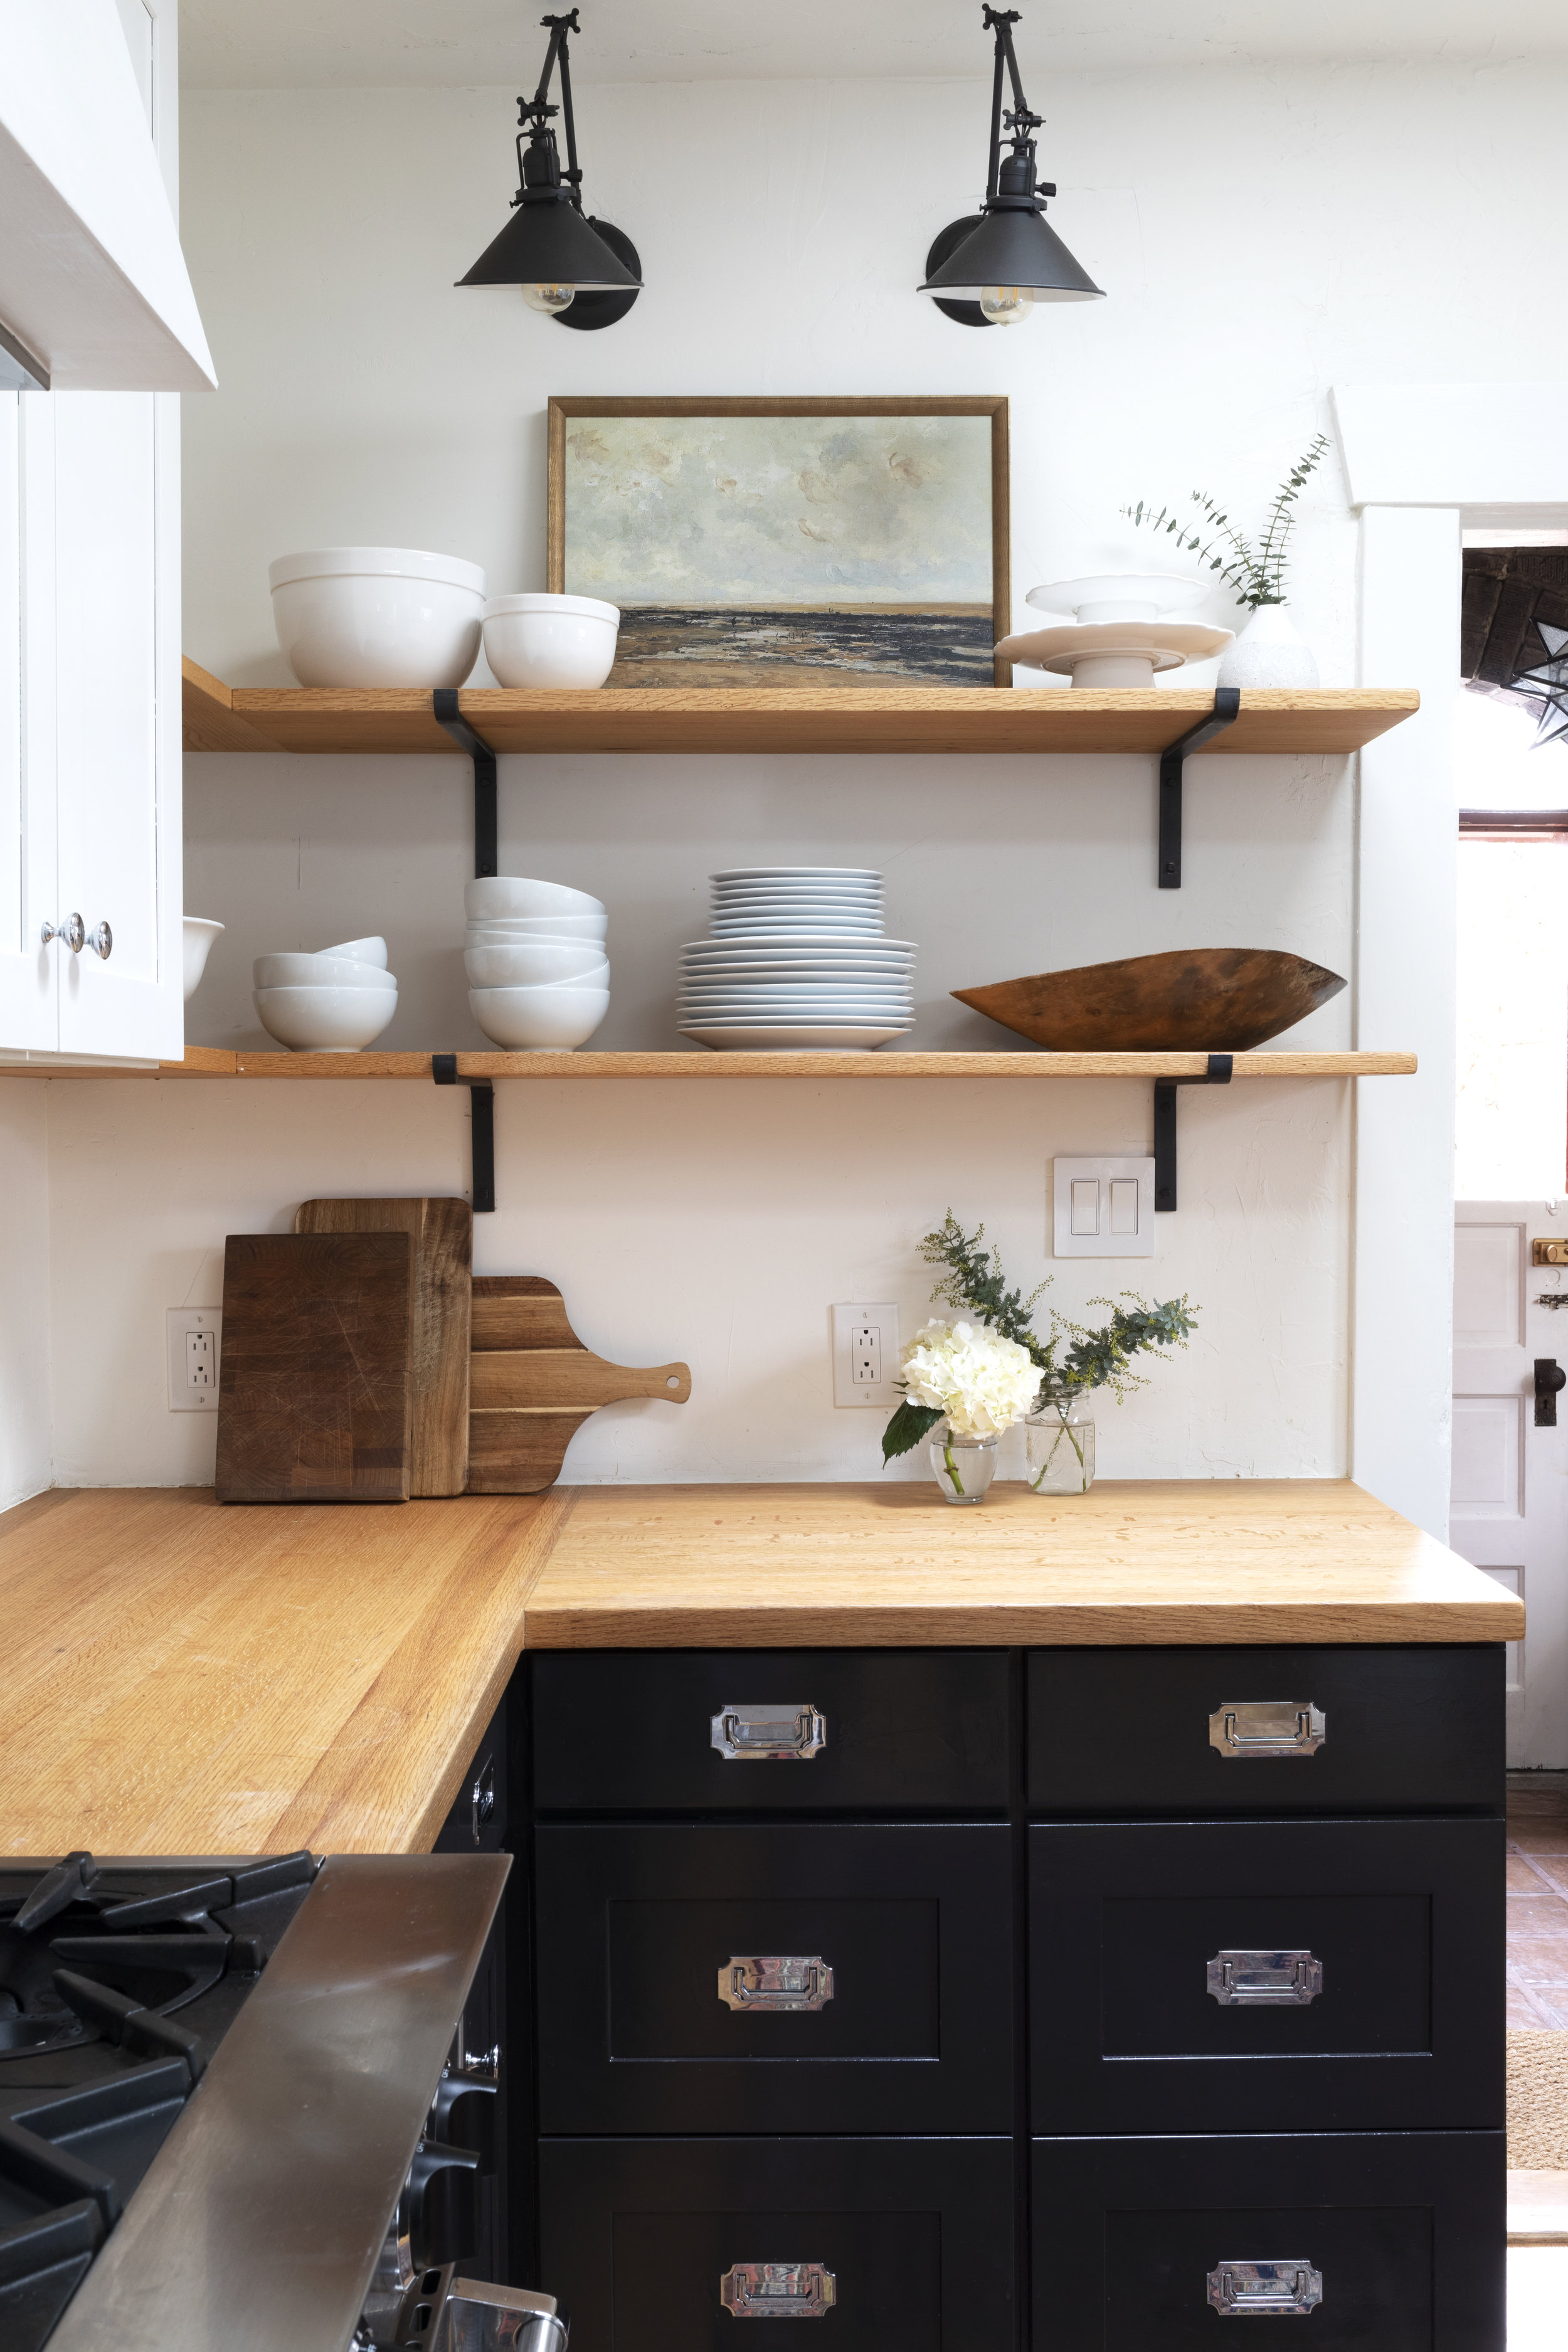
{"x": 533, "y": 1384}
{"x": 317, "y": 1351}
{"x": 442, "y": 1234}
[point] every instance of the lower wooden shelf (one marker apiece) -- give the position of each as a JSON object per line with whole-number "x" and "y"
{"x": 222, "y": 1062}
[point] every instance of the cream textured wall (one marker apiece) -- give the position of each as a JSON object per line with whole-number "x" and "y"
{"x": 1262, "y": 234}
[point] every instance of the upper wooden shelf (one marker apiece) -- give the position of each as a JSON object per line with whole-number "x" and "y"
{"x": 223, "y": 1062}
{"x": 218, "y": 717}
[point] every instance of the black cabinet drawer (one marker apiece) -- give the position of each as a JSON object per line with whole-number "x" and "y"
{"x": 477, "y": 1821}
{"x": 1401, "y": 2235}
{"x": 1130, "y": 1730}
{"x": 911, "y": 2239}
{"x": 1141, "y": 2024}
{"x": 649, "y": 2023}
{"x": 903, "y": 1731}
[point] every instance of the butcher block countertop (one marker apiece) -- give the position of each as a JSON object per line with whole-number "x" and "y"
{"x": 184, "y": 1676}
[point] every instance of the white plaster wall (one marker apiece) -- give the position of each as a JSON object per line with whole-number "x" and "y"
{"x": 24, "y": 1339}
{"x": 1262, "y": 233}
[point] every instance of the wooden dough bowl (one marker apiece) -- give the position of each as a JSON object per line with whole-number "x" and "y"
{"x": 1195, "y": 1000}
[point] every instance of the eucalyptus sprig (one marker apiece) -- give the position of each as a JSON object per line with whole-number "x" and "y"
{"x": 1257, "y": 574}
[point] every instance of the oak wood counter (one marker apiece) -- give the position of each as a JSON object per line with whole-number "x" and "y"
{"x": 184, "y": 1676}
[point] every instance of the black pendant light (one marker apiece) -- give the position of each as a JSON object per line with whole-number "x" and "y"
{"x": 580, "y": 271}
{"x": 991, "y": 268}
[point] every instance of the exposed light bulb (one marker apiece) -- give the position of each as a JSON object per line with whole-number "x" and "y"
{"x": 1005, "y": 306}
{"x": 551, "y": 300}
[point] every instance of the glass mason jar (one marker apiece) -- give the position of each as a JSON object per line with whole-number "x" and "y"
{"x": 964, "y": 1466}
{"x": 1059, "y": 1438}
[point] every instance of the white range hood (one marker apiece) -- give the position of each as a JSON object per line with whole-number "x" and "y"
{"x": 92, "y": 281}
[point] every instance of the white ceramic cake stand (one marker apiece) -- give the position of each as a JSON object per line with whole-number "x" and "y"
{"x": 1119, "y": 638}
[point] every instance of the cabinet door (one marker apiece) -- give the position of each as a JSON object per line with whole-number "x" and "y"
{"x": 29, "y": 971}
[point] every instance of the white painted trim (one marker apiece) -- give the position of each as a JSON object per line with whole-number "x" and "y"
{"x": 1498, "y": 450}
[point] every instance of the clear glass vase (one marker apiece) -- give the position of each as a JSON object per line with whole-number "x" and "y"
{"x": 1059, "y": 1436}
{"x": 964, "y": 1466}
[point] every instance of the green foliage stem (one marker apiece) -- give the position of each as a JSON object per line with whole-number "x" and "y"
{"x": 1257, "y": 574}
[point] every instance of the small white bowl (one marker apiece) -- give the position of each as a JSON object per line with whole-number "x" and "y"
{"x": 560, "y": 927}
{"x": 377, "y": 616}
{"x": 545, "y": 962}
{"x": 199, "y": 932}
{"x": 287, "y": 970}
{"x": 324, "y": 1020}
{"x": 552, "y": 642}
{"x": 359, "y": 951}
{"x": 538, "y": 1019}
{"x": 512, "y": 897}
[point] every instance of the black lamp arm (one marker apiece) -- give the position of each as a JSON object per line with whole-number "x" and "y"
{"x": 1020, "y": 120}
{"x": 534, "y": 114}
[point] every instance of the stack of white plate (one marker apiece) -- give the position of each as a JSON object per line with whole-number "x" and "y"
{"x": 797, "y": 962}
{"x": 539, "y": 979}
{"x": 335, "y": 1002}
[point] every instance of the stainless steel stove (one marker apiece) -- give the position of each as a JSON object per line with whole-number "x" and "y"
{"x": 233, "y": 2099}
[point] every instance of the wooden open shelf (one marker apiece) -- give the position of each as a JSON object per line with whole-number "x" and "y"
{"x": 218, "y": 717}
{"x": 220, "y": 1062}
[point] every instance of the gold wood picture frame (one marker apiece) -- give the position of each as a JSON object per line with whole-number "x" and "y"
{"x": 816, "y": 543}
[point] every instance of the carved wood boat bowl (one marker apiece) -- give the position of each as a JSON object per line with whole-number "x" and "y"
{"x": 1195, "y": 1000}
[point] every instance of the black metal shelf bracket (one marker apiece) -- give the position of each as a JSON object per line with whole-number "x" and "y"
{"x": 1218, "y": 1074}
{"x": 482, "y": 1105}
{"x": 1226, "y": 704}
{"x": 448, "y": 715}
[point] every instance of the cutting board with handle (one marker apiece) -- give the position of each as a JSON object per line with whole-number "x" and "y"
{"x": 441, "y": 1233}
{"x": 533, "y": 1384}
{"x": 317, "y": 1350}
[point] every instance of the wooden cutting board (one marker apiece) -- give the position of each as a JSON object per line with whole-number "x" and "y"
{"x": 533, "y": 1384}
{"x": 442, "y": 1234}
{"x": 317, "y": 1348}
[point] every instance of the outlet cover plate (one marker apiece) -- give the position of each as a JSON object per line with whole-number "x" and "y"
{"x": 1103, "y": 1207}
{"x": 866, "y": 1341}
{"x": 195, "y": 1352}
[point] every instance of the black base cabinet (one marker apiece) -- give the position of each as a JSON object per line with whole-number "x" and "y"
{"x": 1069, "y": 2001}
{"x": 1389, "y": 2242}
{"x": 902, "y": 2245}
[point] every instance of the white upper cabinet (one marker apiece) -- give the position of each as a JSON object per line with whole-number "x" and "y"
{"x": 90, "y": 667}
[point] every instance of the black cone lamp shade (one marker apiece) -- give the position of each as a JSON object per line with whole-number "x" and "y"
{"x": 583, "y": 272}
{"x": 993, "y": 267}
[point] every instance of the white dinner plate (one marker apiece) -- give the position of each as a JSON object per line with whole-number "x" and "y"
{"x": 797, "y": 873}
{"x": 771, "y": 1039}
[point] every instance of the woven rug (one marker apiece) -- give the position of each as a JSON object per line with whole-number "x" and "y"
{"x": 1537, "y": 2101}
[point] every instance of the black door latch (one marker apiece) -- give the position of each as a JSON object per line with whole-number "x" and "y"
{"x": 1549, "y": 1378}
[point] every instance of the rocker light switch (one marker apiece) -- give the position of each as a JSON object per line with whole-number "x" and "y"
{"x": 1104, "y": 1208}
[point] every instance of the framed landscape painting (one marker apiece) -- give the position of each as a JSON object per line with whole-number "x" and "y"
{"x": 787, "y": 542}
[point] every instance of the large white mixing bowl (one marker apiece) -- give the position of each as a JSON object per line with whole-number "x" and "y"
{"x": 377, "y": 616}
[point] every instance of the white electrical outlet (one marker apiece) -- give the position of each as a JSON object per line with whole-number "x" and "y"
{"x": 1103, "y": 1207}
{"x": 195, "y": 1347}
{"x": 866, "y": 1354}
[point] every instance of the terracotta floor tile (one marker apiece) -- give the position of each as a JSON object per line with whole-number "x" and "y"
{"x": 1538, "y": 1837}
{"x": 1540, "y": 1961}
{"x": 1551, "y": 1869}
{"x": 1524, "y": 1878}
{"x": 1526, "y": 2011}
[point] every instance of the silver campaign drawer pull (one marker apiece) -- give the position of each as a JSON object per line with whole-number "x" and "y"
{"x": 1267, "y": 1727}
{"x": 783, "y": 1733}
{"x": 777, "y": 2290}
{"x": 1265, "y": 2290}
{"x": 1265, "y": 1980}
{"x": 776, "y": 1984}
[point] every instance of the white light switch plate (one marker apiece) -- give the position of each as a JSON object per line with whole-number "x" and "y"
{"x": 1103, "y": 1208}
{"x": 866, "y": 1354}
{"x": 195, "y": 1344}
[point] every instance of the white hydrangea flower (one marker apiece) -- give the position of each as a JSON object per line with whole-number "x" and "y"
{"x": 982, "y": 1382}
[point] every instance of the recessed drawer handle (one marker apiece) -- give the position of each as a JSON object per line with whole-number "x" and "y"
{"x": 778, "y": 1734}
{"x": 776, "y": 1984}
{"x": 1267, "y": 1727}
{"x": 1265, "y": 1980}
{"x": 777, "y": 2290}
{"x": 1265, "y": 2290}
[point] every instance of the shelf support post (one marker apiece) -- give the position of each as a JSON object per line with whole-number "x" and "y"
{"x": 1218, "y": 1074}
{"x": 449, "y": 716}
{"x": 1227, "y": 703}
{"x": 482, "y": 1106}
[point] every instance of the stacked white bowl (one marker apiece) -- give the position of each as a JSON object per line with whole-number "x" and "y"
{"x": 796, "y": 961}
{"x": 336, "y": 1002}
{"x": 539, "y": 980}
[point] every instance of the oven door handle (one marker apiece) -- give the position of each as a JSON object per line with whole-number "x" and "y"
{"x": 477, "y": 2316}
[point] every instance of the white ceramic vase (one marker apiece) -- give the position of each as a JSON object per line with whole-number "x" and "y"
{"x": 1269, "y": 651}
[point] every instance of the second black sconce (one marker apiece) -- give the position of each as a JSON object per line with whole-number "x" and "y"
{"x": 579, "y": 271}
{"x": 990, "y": 268}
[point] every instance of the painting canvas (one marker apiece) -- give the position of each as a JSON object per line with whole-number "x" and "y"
{"x": 810, "y": 543}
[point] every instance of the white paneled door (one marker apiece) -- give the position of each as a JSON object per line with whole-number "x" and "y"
{"x": 1510, "y": 1505}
